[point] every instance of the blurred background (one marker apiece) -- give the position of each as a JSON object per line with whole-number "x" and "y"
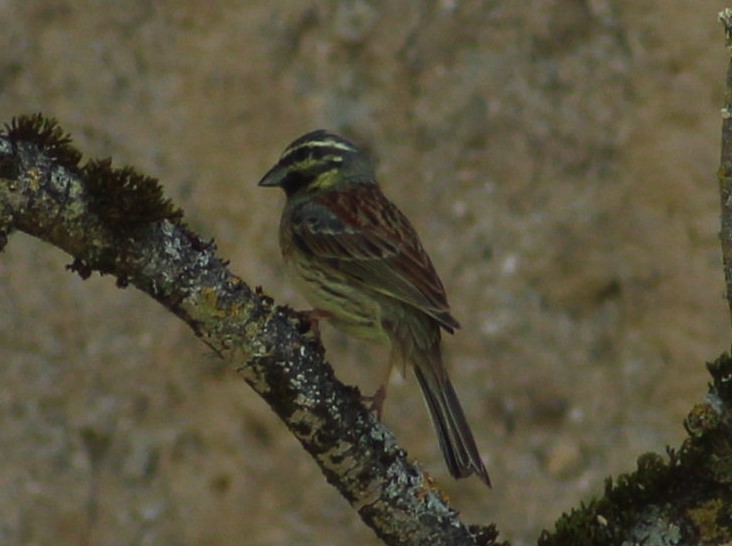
{"x": 557, "y": 157}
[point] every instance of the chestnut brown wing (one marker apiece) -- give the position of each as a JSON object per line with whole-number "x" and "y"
{"x": 358, "y": 231}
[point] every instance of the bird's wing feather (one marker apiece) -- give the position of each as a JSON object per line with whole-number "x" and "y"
{"x": 362, "y": 234}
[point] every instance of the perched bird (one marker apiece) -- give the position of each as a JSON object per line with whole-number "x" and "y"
{"x": 359, "y": 262}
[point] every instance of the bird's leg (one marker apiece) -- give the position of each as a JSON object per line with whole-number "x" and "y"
{"x": 313, "y": 317}
{"x": 375, "y": 402}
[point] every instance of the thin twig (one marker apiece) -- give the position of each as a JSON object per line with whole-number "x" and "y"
{"x": 725, "y": 167}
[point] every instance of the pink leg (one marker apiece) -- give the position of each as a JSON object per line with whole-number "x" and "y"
{"x": 375, "y": 402}
{"x": 314, "y": 316}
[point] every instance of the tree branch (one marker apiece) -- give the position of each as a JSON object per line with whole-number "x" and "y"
{"x": 115, "y": 222}
{"x": 684, "y": 499}
{"x": 725, "y": 167}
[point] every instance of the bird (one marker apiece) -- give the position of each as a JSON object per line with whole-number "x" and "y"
{"x": 359, "y": 262}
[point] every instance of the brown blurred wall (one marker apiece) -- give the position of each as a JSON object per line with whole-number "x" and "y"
{"x": 557, "y": 157}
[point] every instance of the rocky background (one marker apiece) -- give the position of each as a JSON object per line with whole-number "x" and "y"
{"x": 558, "y": 158}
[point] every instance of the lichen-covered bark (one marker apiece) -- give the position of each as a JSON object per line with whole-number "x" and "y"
{"x": 684, "y": 498}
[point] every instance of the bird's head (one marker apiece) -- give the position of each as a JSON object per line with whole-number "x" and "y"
{"x": 317, "y": 161}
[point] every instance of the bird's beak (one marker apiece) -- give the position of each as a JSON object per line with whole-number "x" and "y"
{"x": 273, "y": 178}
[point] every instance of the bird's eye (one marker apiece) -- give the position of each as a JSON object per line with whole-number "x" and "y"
{"x": 294, "y": 180}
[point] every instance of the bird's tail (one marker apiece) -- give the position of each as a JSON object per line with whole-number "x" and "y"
{"x": 453, "y": 432}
